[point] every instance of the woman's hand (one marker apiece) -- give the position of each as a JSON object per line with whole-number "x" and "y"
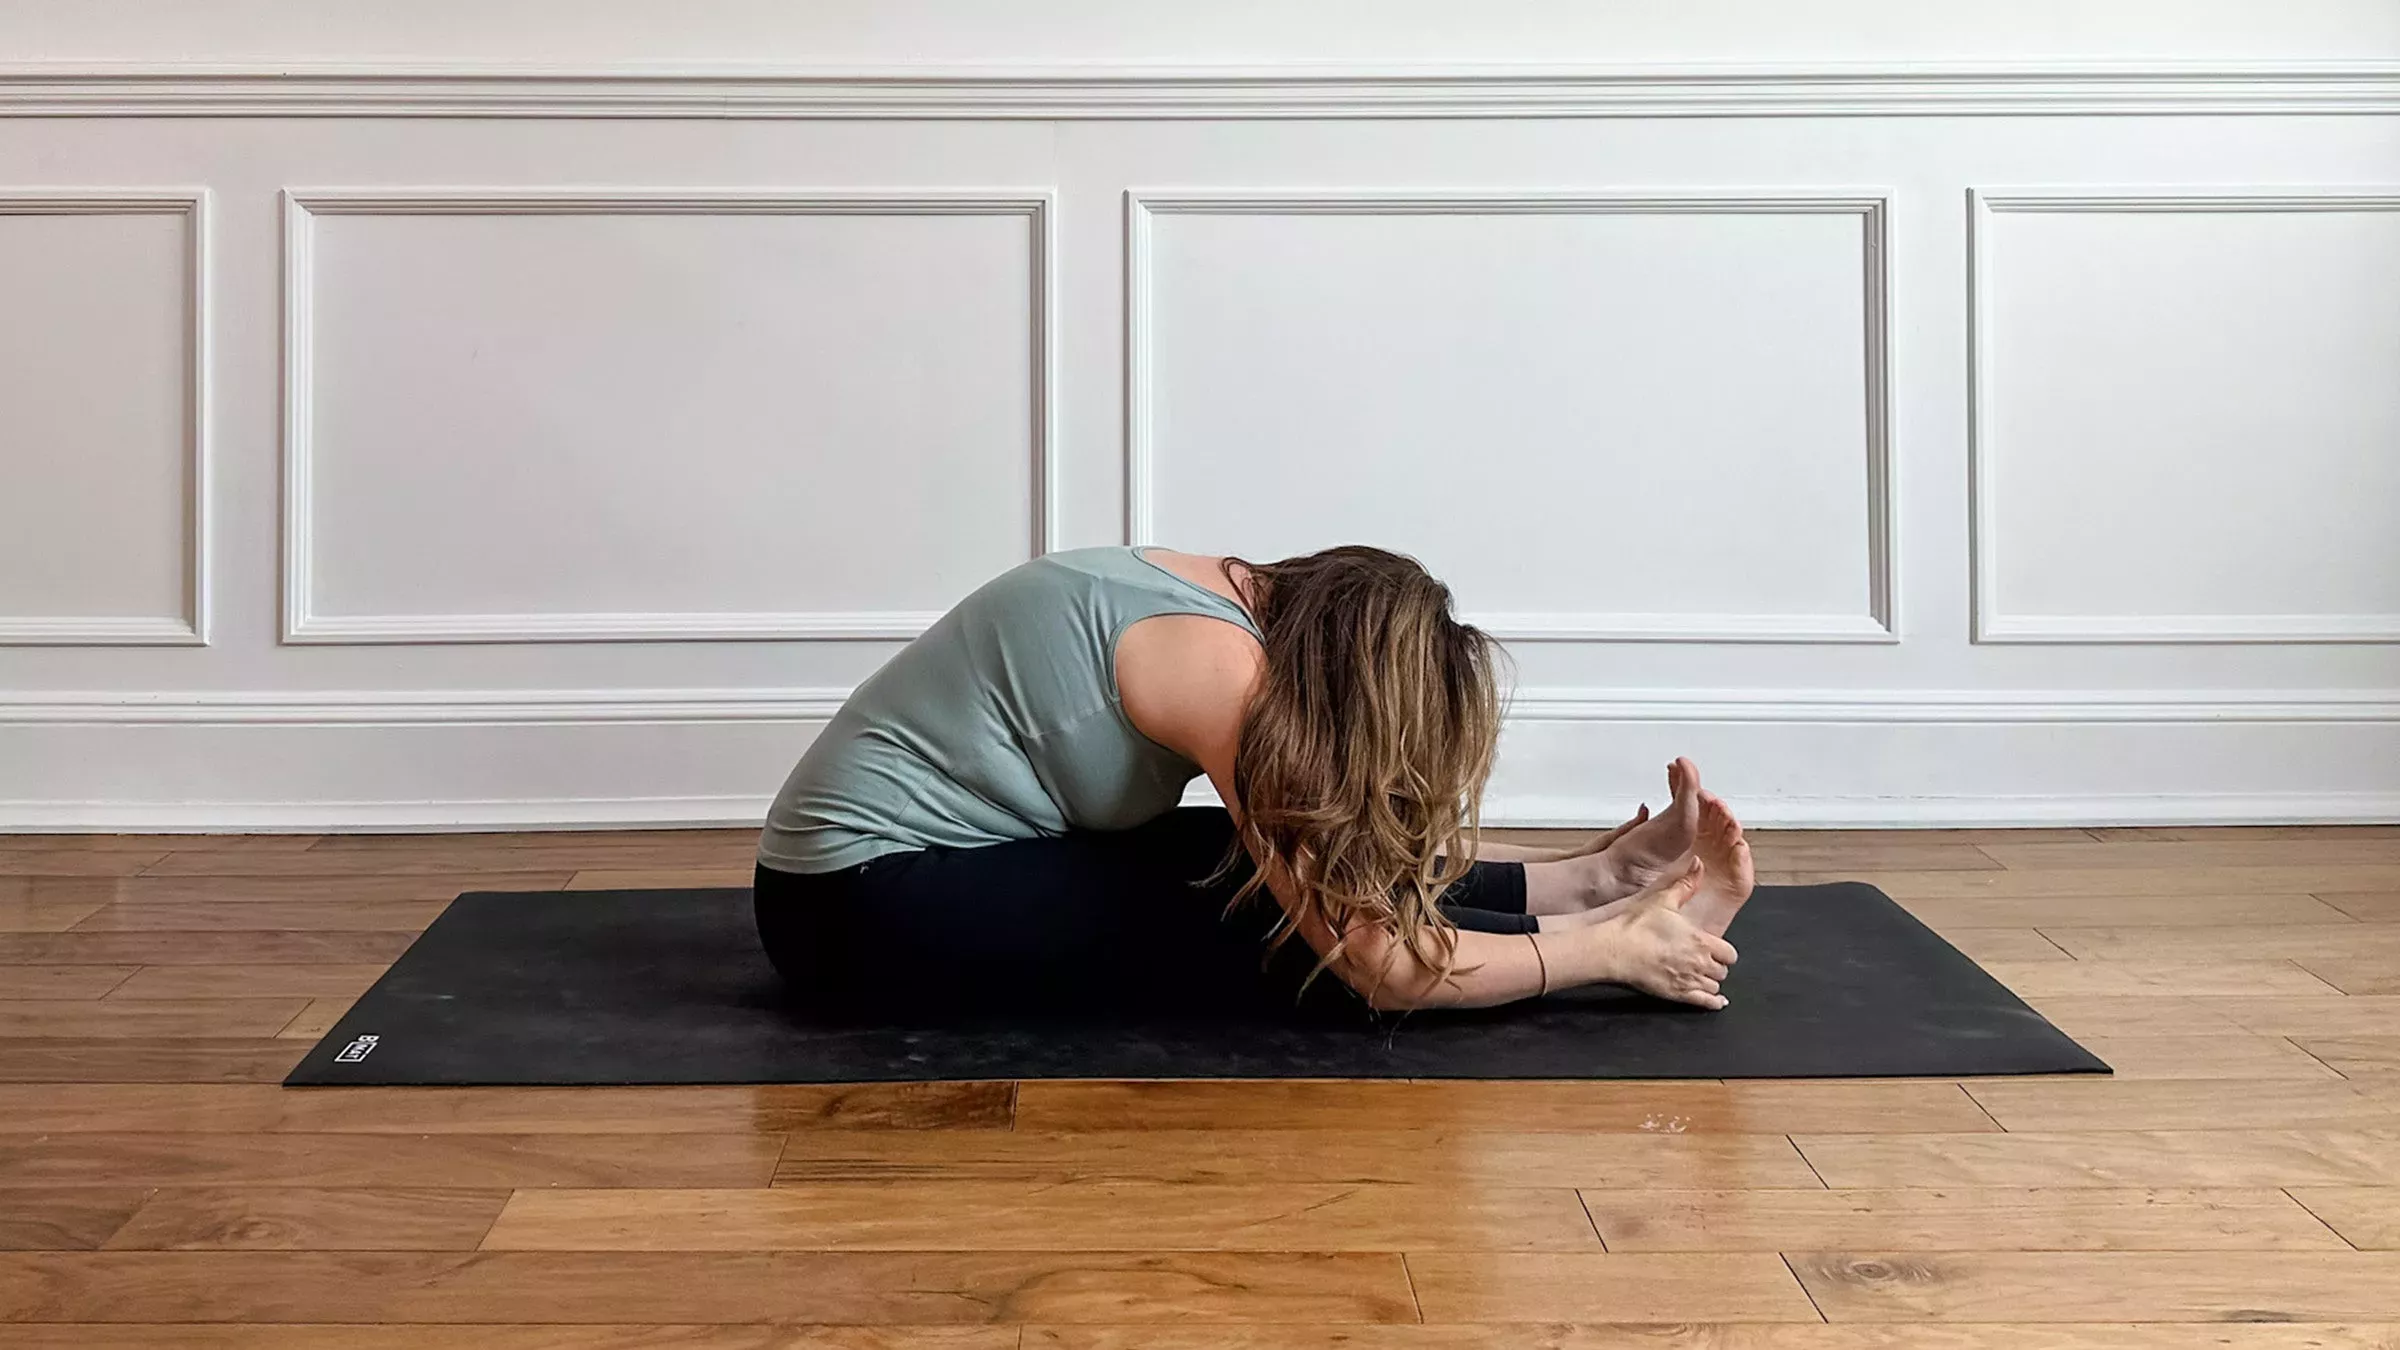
{"x": 1653, "y": 948}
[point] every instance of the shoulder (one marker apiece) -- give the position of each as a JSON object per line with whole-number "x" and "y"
{"x": 1185, "y": 680}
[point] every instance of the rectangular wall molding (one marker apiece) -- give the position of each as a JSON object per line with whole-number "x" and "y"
{"x": 189, "y": 628}
{"x": 302, "y": 624}
{"x": 1993, "y": 622}
{"x": 1879, "y": 624}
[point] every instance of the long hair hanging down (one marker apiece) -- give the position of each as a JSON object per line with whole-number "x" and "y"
{"x": 1363, "y": 754}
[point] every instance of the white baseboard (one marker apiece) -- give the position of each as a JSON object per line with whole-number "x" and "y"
{"x": 636, "y": 813}
{"x": 1960, "y": 813}
{"x": 601, "y": 759}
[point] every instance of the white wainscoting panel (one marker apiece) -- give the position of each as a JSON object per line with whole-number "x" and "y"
{"x": 103, "y": 417}
{"x": 1920, "y": 418}
{"x": 522, "y": 416}
{"x": 2187, "y": 415}
{"x": 1671, "y": 408}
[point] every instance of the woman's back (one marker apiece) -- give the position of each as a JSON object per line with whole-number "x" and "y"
{"x": 1002, "y": 721}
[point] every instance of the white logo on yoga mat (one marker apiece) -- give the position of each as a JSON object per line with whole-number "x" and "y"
{"x": 355, "y": 1050}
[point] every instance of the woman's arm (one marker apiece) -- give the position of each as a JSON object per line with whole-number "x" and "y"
{"x": 1649, "y": 946}
{"x": 1185, "y": 681}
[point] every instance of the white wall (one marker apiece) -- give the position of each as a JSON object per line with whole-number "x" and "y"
{"x": 525, "y": 413}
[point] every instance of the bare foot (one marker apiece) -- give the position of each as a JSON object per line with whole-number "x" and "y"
{"x": 1643, "y": 854}
{"x": 1661, "y": 951}
{"x": 1729, "y": 876}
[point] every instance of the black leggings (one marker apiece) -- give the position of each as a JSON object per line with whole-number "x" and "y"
{"x": 1084, "y": 919}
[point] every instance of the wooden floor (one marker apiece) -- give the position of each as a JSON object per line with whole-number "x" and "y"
{"x": 2242, "y": 1169}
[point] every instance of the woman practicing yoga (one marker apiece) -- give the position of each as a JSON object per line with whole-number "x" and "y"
{"x": 992, "y": 819}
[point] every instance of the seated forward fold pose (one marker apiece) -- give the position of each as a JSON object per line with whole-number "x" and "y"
{"x": 992, "y": 819}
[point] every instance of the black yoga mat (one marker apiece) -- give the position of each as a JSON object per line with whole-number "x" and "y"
{"x": 590, "y": 987}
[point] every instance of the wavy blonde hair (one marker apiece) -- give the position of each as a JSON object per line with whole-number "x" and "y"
{"x": 1363, "y": 754}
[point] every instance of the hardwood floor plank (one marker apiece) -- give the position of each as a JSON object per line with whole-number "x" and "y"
{"x": 2331, "y": 1015}
{"x": 2369, "y": 906}
{"x": 2356, "y": 1056}
{"x": 449, "y": 1162}
{"x": 2031, "y": 834}
{"x": 139, "y": 1108}
{"x": 236, "y": 889}
{"x": 345, "y": 980}
{"x": 619, "y": 1287}
{"x": 2091, "y": 1015}
{"x": 1282, "y": 1156}
{"x": 226, "y": 947}
{"x": 298, "y": 1218}
{"x": 2036, "y": 979}
{"x": 1869, "y": 855}
{"x": 2226, "y": 1054}
{"x": 1722, "y": 1336}
{"x": 421, "y": 1336}
{"x": 84, "y": 1059}
{"x": 2122, "y": 911}
{"x": 2089, "y": 1286}
{"x": 736, "y": 875}
{"x": 1085, "y": 1216}
{"x": 315, "y": 1019}
{"x": 202, "y": 916}
{"x": 1959, "y": 1219}
{"x": 453, "y": 856}
{"x": 2368, "y": 1217}
{"x": 62, "y": 981}
{"x": 2003, "y": 944}
{"x": 146, "y": 1108}
{"x": 67, "y": 862}
{"x": 2361, "y": 976}
{"x": 181, "y": 1019}
{"x": 64, "y": 1218}
{"x": 1750, "y": 1107}
{"x": 2074, "y": 1104}
{"x": 1560, "y": 1287}
{"x": 152, "y": 843}
{"x": 2315, "y": 851}
{"x": 2315, "y": 1157}
{"x": 2176, "y": 879}
{"x": 2142, "y": 834}
{"x": 36, "y": 915}
{"x": 2232, "y": 941}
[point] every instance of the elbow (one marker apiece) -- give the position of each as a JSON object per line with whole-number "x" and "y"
{"x": 1388, "y": 977}
{"x": 1395, "y": 990}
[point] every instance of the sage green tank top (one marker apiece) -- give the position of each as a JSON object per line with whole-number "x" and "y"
{"x": 1000, "y": 722}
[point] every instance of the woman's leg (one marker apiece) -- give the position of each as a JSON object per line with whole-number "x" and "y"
{"x": 1085, "y": 919}
{"x": 1490, "y": 898}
